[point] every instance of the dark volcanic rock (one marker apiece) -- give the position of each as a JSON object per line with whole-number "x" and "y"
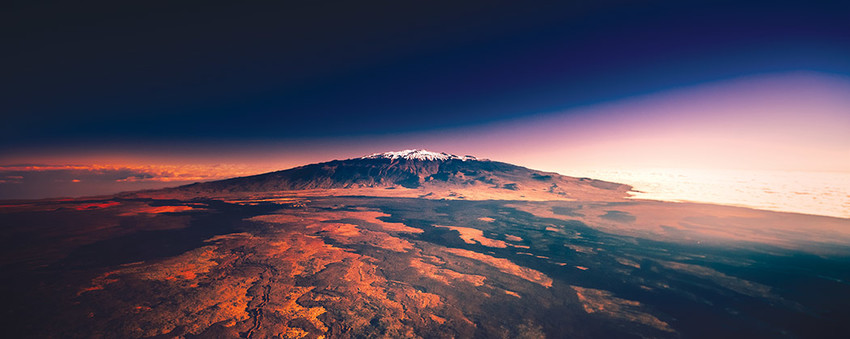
{"x": 412, "y": 169}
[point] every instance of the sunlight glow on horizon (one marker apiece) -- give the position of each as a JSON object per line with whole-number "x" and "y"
{"x": 792, "y": 121}
{"x": 796, "y": 121}
{"x": 781, "y": 122}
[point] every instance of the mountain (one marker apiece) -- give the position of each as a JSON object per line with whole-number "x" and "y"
{"x": 420, "y": 173}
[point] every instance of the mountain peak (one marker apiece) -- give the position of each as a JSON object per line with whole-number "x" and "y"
{"x": 419, "y": 173}
{"x": 419, "y": 154}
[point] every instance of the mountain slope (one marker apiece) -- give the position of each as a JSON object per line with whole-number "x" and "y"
{"x": 418, "y": 173}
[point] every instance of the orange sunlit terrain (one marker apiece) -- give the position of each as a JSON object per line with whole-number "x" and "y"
{"x": 308, "y": 266}
{"x": 408, "y": 248}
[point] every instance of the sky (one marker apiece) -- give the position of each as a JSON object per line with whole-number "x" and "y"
{"x": 122, "y": 96}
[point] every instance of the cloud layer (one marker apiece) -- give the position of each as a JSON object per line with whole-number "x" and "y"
{"x": 43, "y": 181}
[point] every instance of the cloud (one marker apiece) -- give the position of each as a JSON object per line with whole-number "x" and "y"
{"x": 122, "y": 173}
{"x": 42, "y": 181}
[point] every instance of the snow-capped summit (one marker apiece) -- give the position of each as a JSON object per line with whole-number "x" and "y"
{"x": 417, "y": 154}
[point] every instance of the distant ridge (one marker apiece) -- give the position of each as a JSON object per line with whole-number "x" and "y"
{"x": 432, "y": 174}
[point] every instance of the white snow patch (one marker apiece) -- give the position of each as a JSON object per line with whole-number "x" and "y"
{"x": 417, "y": 154}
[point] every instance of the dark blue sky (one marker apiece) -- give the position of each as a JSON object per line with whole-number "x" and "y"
{"x": 160, "y": 71}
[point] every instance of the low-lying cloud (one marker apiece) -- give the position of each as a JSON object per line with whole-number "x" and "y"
{"x": 43, "y": 181}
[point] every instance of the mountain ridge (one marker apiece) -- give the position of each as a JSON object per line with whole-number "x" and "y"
{"x": 420, "y": 173}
